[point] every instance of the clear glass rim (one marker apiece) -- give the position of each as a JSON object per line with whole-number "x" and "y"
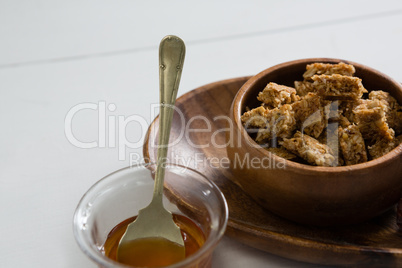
{"x": 100, "y": 259}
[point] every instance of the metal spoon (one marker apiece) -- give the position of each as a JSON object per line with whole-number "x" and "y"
{"x": 154, "y": 221}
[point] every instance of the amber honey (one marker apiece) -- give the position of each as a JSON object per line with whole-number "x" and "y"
{"x": 154, "y": 252}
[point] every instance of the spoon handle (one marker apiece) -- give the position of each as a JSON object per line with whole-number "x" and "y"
{"x": 171, "y": 58}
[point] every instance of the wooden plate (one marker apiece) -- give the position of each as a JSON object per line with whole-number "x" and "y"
{"x": 376, "y": 242}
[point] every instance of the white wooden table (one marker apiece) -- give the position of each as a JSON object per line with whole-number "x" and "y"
{"x": 55, "y": 55}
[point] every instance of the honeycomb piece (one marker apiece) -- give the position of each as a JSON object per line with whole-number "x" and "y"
{"x": 280, "y": 124}
{"x": 330, "y": 137}
{"x": 328, "y": 69}
{"x": 309, "y": 115}
{"x": 383, "y": 146}
{"x": 338, "y": 87}
{"x": 352, "y": 145}
{"x": 275, "y": 95}
{"x": 303, "y": 87}
{"x": 310, "y": 149}
{"x": 255, "y": 118}
{"x": 370, "y": 117}
{"x": 393, "y": 111}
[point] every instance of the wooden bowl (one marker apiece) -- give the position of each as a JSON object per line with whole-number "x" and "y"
{"x": 307, "y": 194}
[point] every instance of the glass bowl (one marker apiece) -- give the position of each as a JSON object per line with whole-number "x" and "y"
{"x": 121, "y": 194}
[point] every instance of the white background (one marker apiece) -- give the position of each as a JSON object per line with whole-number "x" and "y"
{"x": 57, "y": 54}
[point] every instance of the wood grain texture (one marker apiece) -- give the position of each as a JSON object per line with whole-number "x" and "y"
{"x": 376, "y": 242}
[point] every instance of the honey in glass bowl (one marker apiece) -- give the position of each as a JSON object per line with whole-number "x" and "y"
{"x": 111, "y": 203}
{"x": 154, "y": 252}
